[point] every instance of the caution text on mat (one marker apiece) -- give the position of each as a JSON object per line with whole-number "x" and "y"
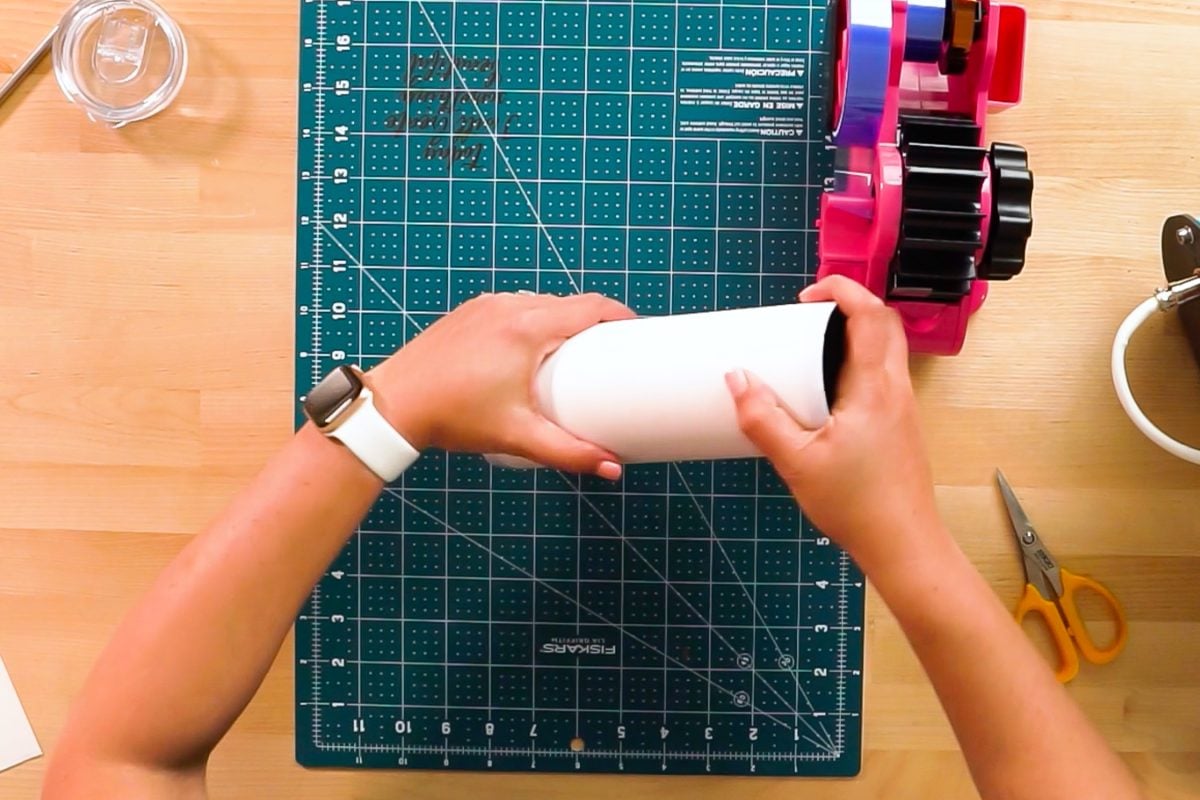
{"x": 753, "y": 95}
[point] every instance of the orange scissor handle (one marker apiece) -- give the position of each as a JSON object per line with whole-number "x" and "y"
{"x": 1073, "y": 583}
{"x": 1032, "y": 602}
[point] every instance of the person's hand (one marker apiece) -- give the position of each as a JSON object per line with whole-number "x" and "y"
{"x": 863, "y": 478}
{"x": 466, "y": 383}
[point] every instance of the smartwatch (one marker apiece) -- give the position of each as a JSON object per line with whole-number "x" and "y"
{"x": 342, "y": 407}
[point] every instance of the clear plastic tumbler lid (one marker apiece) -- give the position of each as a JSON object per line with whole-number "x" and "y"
{"x": 120, "y": 60}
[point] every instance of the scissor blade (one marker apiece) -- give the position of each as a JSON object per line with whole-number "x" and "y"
{"x": 1020, "y": 521}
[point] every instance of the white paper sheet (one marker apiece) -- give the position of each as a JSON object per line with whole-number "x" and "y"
{"x": 17, "y": 742}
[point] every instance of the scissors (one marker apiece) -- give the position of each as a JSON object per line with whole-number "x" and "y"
{"x": 1050, "y": 593}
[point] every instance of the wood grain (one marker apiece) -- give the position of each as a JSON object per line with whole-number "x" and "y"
{"x": 146, "y": 339}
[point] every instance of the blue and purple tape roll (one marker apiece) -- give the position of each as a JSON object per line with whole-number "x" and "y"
{"x": 925, "y": 31}
{"x": 864, "y": 55}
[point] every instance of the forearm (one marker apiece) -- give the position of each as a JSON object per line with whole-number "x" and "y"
{"x": 1021, "y": 734}
{"x": 188, "y": 658}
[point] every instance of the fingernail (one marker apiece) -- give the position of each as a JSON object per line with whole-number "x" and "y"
{"x": 609, "y": 470}
{"x": 737, "y": 382}
{"x": 806, "y": 291}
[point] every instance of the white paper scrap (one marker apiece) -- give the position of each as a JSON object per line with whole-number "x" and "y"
{"x": 17, "y": 742}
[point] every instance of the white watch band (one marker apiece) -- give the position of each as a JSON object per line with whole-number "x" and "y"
{"x": 374, "y": 441}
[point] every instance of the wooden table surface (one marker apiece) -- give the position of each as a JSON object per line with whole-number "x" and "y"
{"x": 145, "y": 372}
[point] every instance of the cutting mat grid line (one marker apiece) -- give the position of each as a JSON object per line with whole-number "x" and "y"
{"x": 687, "y": 619}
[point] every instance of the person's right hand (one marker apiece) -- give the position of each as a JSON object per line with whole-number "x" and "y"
{"x": 863, "y": 478}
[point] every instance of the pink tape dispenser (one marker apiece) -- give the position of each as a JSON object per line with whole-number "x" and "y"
{"x": 920, "y": 211}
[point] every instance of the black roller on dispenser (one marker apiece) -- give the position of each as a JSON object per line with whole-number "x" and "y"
{"x": 653, "y": 389}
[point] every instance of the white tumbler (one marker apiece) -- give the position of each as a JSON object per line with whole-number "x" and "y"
{"x": 653, "y": 389}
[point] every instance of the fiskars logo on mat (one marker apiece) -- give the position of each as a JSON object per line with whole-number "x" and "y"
{"x": 578, "y": 646}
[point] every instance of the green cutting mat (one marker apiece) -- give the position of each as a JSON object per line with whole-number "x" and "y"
{"x": 685, "y": 620}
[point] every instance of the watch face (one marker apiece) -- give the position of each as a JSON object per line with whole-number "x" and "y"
{"x": 332, "y": 396}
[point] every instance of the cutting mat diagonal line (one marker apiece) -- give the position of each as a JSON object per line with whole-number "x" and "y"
{"x": 400, "y": 496}
{"x": 758, "y": 615}
{"x": 658, "y": 574}
{"x": 537, "y": 218}
{"x": 823, "y": 732}
{"x": 699, "y": 615}
{"x": 367, "y": 273}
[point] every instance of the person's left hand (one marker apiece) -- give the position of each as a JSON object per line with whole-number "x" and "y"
{"x": 466, "y": 382}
